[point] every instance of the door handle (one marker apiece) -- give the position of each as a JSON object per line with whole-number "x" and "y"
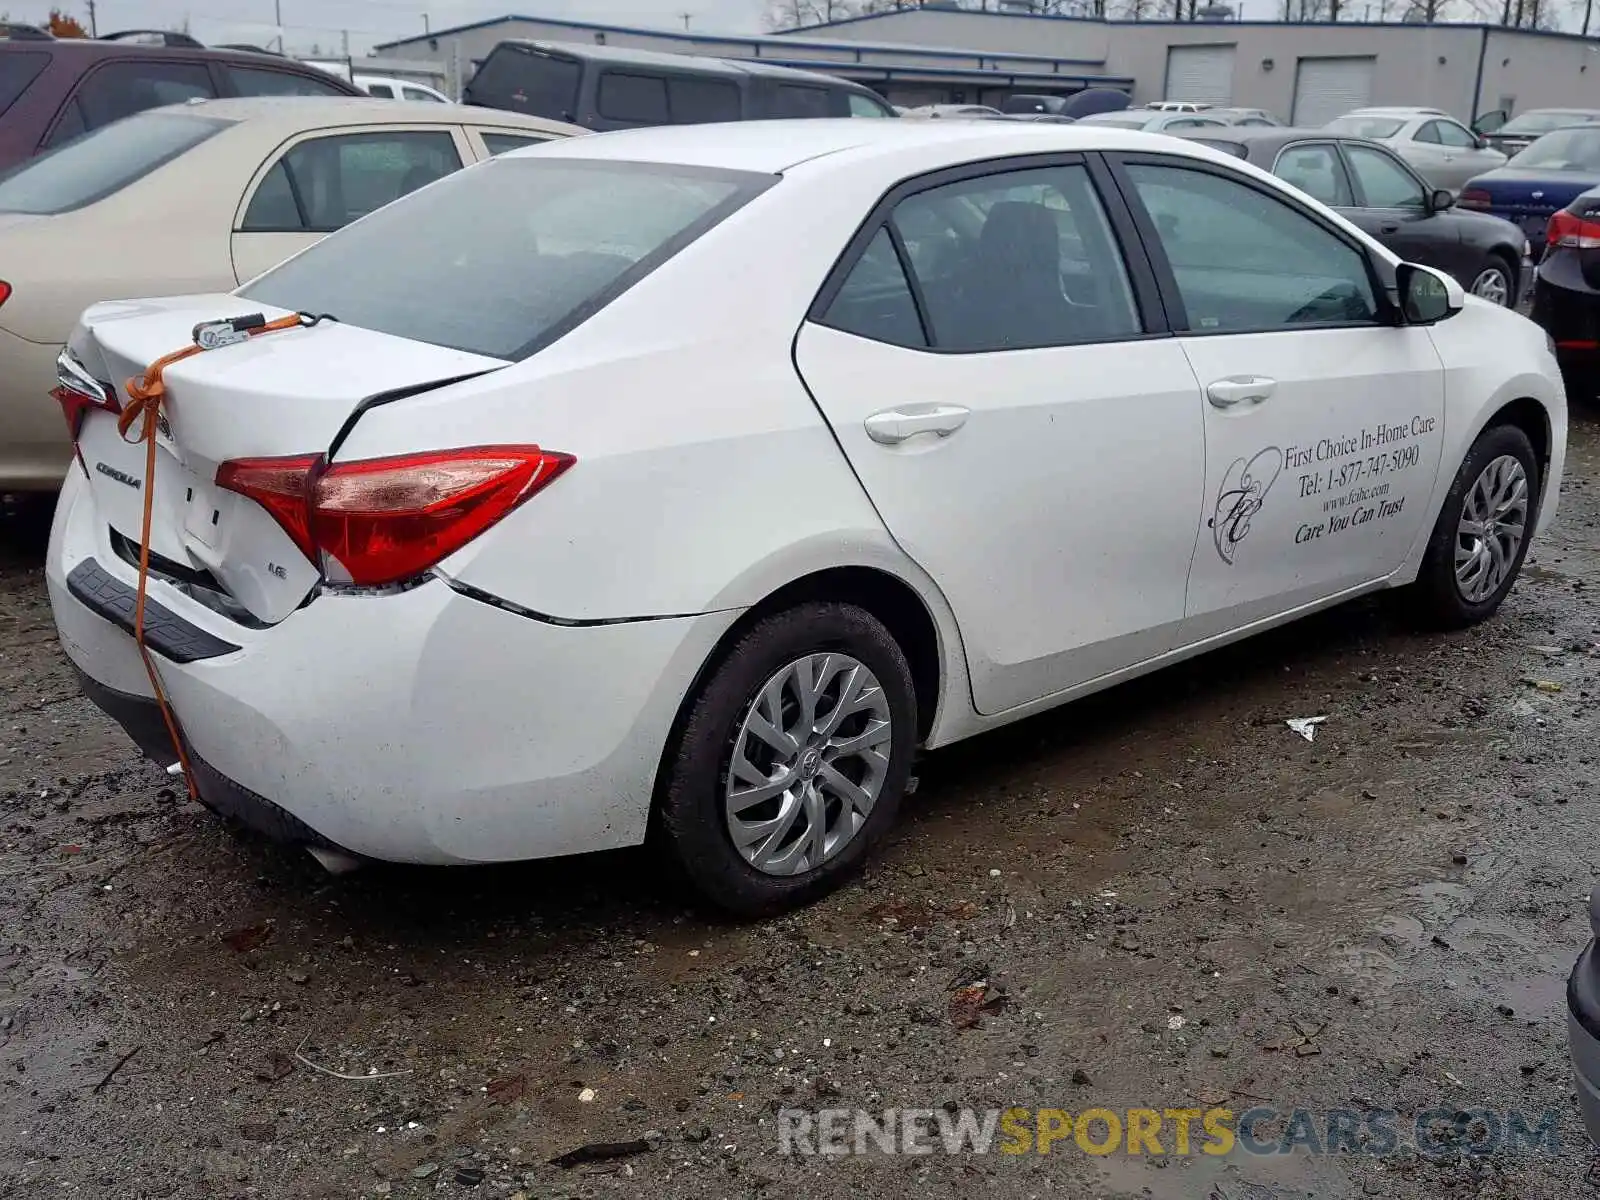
{"x": 1389, "y": 227}
{"x": 895, "y": 425}
{"x": 1240, "y": 389}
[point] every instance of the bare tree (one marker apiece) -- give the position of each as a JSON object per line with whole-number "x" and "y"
{"x": 796, "y": 14}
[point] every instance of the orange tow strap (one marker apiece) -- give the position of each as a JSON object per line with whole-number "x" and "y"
{"x": 146, "y": 395}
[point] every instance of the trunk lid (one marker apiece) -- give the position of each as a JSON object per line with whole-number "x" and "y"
{"x": 1528, "y": 198}
{"x": 284, "y": 393}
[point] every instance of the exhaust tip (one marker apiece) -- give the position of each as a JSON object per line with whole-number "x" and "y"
{"x": 333, "y": 861}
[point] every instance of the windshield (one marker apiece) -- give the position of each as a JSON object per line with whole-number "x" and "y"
{"x": 99, "y": 164}
{"x": 505, "y": 257}
{"x": 1547, "y": 119}
{"x": 1563, "y": 150}
{"x": 1367, "y": 127}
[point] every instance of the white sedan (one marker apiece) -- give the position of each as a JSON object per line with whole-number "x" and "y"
{"x": 688, "y": 480}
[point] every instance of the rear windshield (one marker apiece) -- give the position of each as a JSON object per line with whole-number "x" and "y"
{"x": 1544, "y": 120}
{"x": 523, "y": 79}
{"x": 506, "y": 257}
{"x": 1233, "y": 148}
{"x": 99, "y": 164}
{"x": 1563, "y": 150}
{"x": 17, "y": 70}
{"x": 1366, "y": 127}
{"x": 1132, "y": 120}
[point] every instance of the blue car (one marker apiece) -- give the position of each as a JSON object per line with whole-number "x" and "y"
{"x": 1539, "y": 181}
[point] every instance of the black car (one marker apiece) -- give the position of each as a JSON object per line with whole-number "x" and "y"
{"x": 1374, "y": 189}
{"x": 606, "y": 87}
{"x": 1566, "y": 291}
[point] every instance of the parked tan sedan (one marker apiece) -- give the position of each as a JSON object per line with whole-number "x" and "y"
{"x": 197, "y": 197}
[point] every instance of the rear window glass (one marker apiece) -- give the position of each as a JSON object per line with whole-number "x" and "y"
{"x": 17, "y": 71}
{"x": 1576, "y": 149}
{"x": 699, "y": 100}
{"x": 520, "y": 79}
{"x": 103, "y": 162}
{"x": 1546, "y": 119}
{"x": 504, "y": 258}
{"x": 640, "y": 99}
{"x": 1367, "y": 127}
{"x": 795, "y": 101}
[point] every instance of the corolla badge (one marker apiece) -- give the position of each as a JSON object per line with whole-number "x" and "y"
{"x": 1538, "y": 195}
{"x": 120, "y": 476}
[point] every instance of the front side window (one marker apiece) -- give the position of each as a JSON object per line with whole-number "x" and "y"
{"x": 1316, "y": 171}
{"x": 252, "y": 81}
{"x": 381, "y": 90}
{"x": 336, "y": 180}
{"x": 636, "y": 99}
{"x": 1244, "y": 260}
{"x": 120, "y": 89}
{"x": 866, "y": 106}
{"x": 102, "y": 163}
{"x": 1016, "y": 260}
{"x": 1384, "y": 182}
{"x": 502, "y": 259}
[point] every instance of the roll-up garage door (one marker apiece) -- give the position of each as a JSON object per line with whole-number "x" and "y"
{"x": 1203, "y": 74}
{"x": 1325, "y": 88}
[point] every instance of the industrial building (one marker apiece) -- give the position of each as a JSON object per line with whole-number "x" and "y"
{"x": 1306, "y": 73}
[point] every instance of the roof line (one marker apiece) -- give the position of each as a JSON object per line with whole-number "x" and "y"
{"x": 738, "y": 39}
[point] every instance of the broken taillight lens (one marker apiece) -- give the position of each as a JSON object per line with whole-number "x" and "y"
{"x": 384, "y": 520}
{"x": 77, "y": 392}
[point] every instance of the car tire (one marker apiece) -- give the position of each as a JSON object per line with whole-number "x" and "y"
{"x": 1464, "y": 578}
{"x": 1495, "y": 280}
{"x": 697, "y": 801}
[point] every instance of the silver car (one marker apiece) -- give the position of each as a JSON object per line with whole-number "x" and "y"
{"x": 1441, "y": 149}
{"x": 1156, "y": 120}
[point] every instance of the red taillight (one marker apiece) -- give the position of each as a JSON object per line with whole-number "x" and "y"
{"x": 1573, "y": 232}
{"x": 1474, "y": 198}
{"x": 5, "y": 291}
{"x": 387, "y": 519}
{"x": 76, "y": 403}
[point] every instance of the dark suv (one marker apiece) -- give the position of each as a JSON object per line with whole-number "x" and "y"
{"x": 605, "y": 87}
{"x": 52, "y": 90}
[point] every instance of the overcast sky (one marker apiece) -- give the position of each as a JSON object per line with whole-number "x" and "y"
{"x": 368, "y": 21}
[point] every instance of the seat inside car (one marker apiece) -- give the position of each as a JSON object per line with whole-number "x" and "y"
{"x": 1010, "y": 292}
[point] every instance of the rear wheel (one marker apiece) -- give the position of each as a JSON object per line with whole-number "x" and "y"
{"x": 1482, "y": 534}
{"x": 1495, "y": 282}
{"x": 792, "y": 761}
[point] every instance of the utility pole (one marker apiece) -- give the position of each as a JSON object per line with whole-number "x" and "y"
{"x": 277, "y": 20}
{"x": 94, "y": 32}
{"x": 344, "y": 41}
{"x": 425, "y": 28}
{"x": 687, "y": 17}
{"x": 1588, "y": 11}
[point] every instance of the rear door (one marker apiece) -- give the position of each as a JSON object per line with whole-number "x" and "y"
{"x": 1323, "y": 420}
{"x": 320, "y": 182}
{"x": 996, "y": 369}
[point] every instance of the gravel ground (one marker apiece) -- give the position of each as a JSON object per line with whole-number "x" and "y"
{"x": 1161, "y": 897}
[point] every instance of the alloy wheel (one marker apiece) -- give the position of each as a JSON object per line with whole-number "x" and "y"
{"x": 1493, "y": 285}
{"x": 808, "y": 763}
{"x": 1494, "y": 518}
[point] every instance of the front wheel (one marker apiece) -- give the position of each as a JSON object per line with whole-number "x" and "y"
{"x": 1482, "y": 534}
{"x": 792, "y": 760}
{"x": 1494, "y": 282}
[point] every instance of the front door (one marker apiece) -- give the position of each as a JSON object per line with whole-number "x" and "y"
{"x": 986, "y": 369}
{"x": 1396, "y": 208}
{"x": 1323, "y": 424}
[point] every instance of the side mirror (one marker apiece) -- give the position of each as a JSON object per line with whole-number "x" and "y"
{"x": 1427, "y": 296}
{"x": 1442, "y": 199}
{"x": 1483, "y": 142}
